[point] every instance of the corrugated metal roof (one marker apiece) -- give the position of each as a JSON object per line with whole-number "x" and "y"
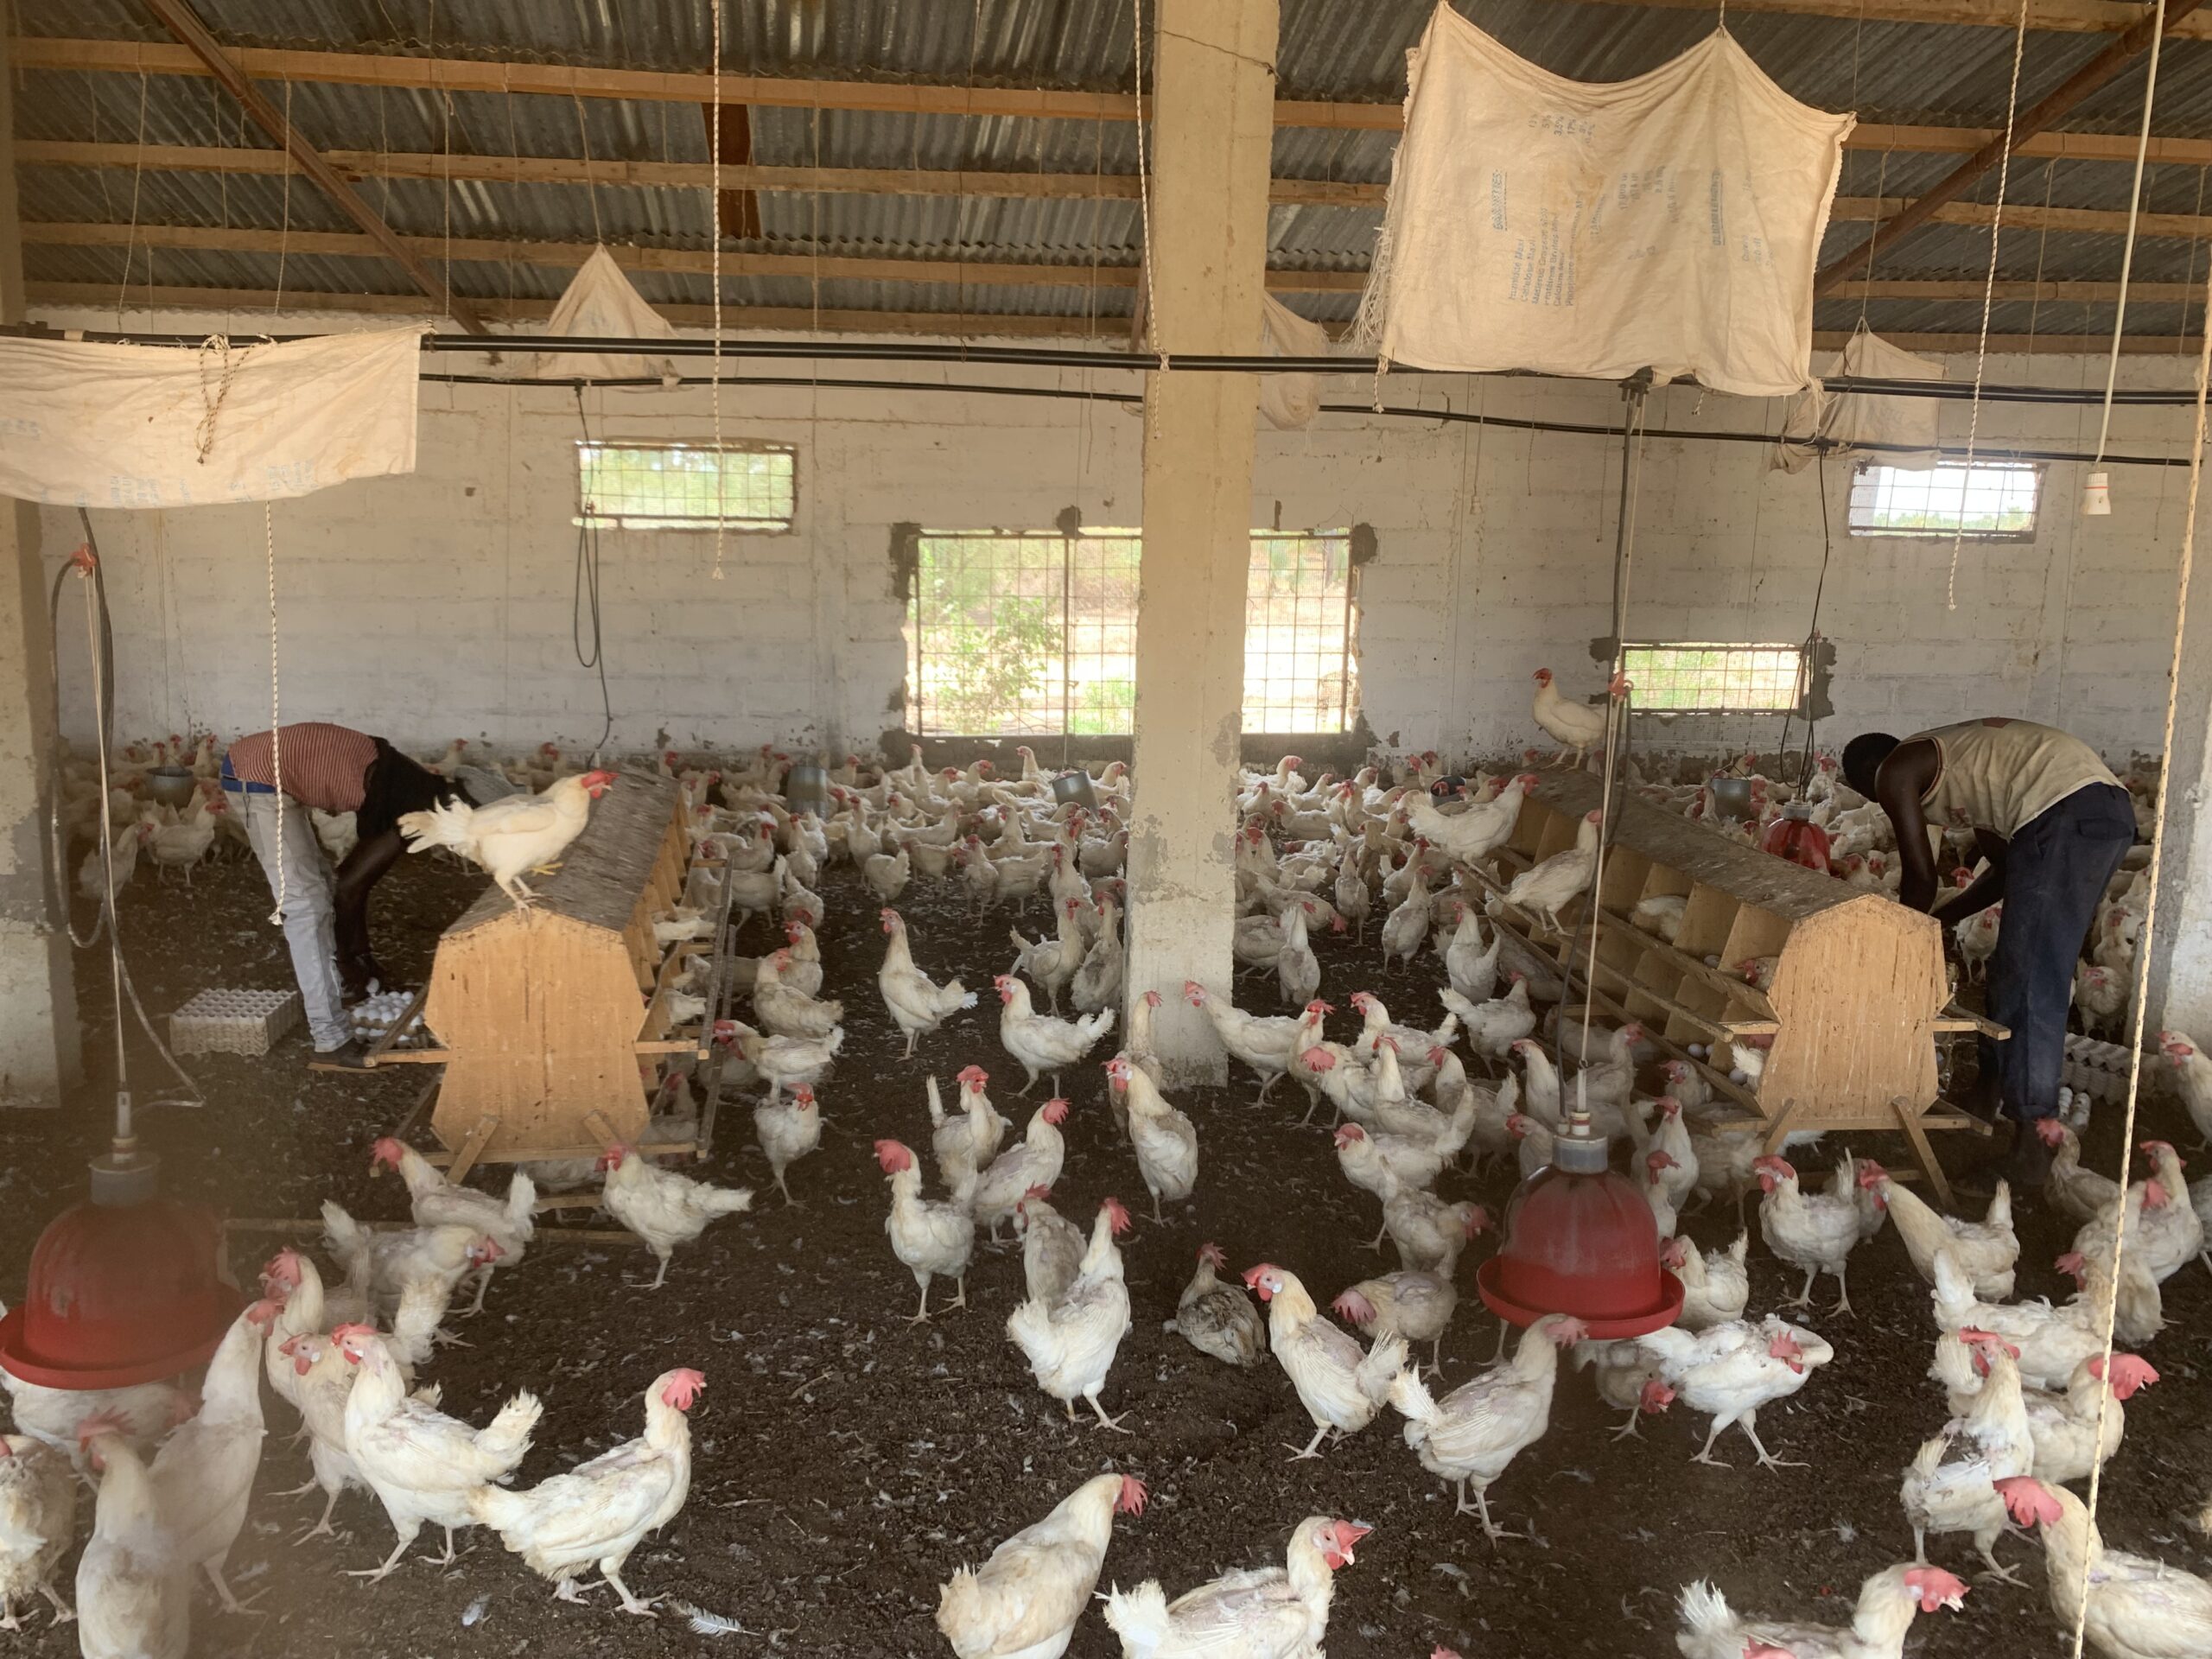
{"x": 1892, "y": 72}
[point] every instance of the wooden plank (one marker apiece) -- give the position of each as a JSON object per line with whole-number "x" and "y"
{"x": 413, "y": 1056}
{"x": 180, "y": 20}
{"x": 466, "y": 1154}
{"x": 2019, "y": 216}
{"x": 1958, "y": 1019}
{"x": 1922, "y": 1154}
{"x": 307, "y": 1226}
{"x": 2064, "y": 16}
{"x": 664, "y": 1046}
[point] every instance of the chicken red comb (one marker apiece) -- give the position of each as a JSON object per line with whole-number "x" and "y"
{"x": 1655, "y": 1395}
{"x": 892, "y": 1157}
{"x": 2128, "y": 1373}
{"x": 1194, "y": 992}
{"x": 1477, "y": 1220}
{"x": 1657, "y": 1159}
{"x": 680, "y": 1386}
{"x": 1347, "y": 1134}
{"x": 1871, "y": 1174}
{"x": 1784, "y": 1347}
{"x": 804, "y": 1094}
{"x": 352, "y": 1332}
{"x": 1116, "y": 1214}
{"x": 1214, "y": 1254}
{"x": 285, "y": 1266}
{"x": 1054, "y": 1111}
{"x": 1936, "y": 1587}
{"x": 1254, "y": 1276}
{"x": 973, "y": 1076}
{"x": 1131, "y": 1499}
{"x": 2029, "y": 1499}
{"x": 385, "y": 1153}
{"x": 1343, "y": 1534}
{"x": 1771, "y": 1164}
{"x": 265, "y": 1312}
{"x": 1674, "y": 1252}
{"x": 1355, "y": 1307}
{"x": 2073, "y": 1264}
{"x": 1317, "y": 1059}
{"x": 102, "y": 1423}
{"x": 1036, "y": 1190}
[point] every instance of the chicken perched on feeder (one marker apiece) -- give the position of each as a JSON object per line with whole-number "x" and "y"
{"x": 1341, "y": 1387}
{"x": 930, "y": 1237}
{"x": 508, "y": 837}
{"x": 1217, "y": 1319}
{"x": 1043, "y": 1044}
{"x": 599, "y": 1512}
{"x": 1577, "y": 728}
{"x": 1070, "y": 1343}
{"x": 1479, "y": 830}
{"x": 1268, "y": 1613}
{"x": 663, "y": 1208}
{"x": 1546, "y": 889}
{"x": 1024, "y": 1602}
{"x": 1474, "y": 1432}
{"x": 1887, "y": 1605}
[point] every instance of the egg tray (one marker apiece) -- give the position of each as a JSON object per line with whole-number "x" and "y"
{"x": 233, "y": 1021}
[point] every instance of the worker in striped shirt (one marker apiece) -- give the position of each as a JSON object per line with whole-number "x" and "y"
{"x": 331, "y": 769}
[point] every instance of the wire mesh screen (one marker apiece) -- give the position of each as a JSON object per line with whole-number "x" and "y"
{"x": 751, "y": 487}
{"x": 1034, "y": 633}
{"x": 1988, "y": 501}
{"x": 1716, "y": 678}
{"x": 1298, "y": 670}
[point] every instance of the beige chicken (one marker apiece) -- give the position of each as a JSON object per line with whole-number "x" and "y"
{"x": 1052, "y": 962}
{"x": 143, "y": 1413}
{"x": 661, "y": 1207}
{"x": 785, "y": 1061}
{"x": 1987, "y": 1248}
{"x": 965, "y": 1140}
{"x": 422, "y": 1465}
{"x": 1412, "y": 1303}
{"x": 1813, "y": 1232}
{"x": 179, "y": 846}
{"x": 384, "y": 1263}
{"x": 509, "y": 1223}
{"x": 599, "y": 1512}
{"x": 916, "y": 1003}
{"x": 1052, "y": 1246}
{"x": 1341, "y": 1387}
{"x": 134, "y": 1590}
{"x": 1886, "y": 1606}
{"x": 1071, "y": 1343}
{"x": 1275, "y": 1612}
{"x": 2076, "y": 1193}
{"x": 1577, "y": 728}
{"x": 1715, "y": 1286}
{"x": 1950, "y": 1486}
{"x": 506, "y": 838}
{"x": 1217, "y": 1319}
{"x": 1259, "y": 1042}
{"x": 1023, "y": 1602}
{"x": 1043, "y": 1044}
{"x": 1035, "y": 1162}
{"x": 1166, "y": 1141}
{"x": 1546, "y": 889}
{"x": 2050, "y": 1340}
{"x": 786, "y": 1011}
{"x": 204, "y": 1473}
{"x": 1731, "y": 1370}
{"x": 38, "y": 1519}
{"x": 930, "y": 1237}
{"x": 2129, "y": 1606}
{"x": 1470, "y": 1435}
{"x": 787, "y": 1131}
{"x": 1430, "y": 1233}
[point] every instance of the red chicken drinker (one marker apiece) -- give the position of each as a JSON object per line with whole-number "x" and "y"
{"x": 1795, "y": 836}
{"x": 1580, "y": 1240}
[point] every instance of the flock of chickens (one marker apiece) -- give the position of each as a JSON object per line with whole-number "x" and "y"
{"x": 2031, "y": 1405}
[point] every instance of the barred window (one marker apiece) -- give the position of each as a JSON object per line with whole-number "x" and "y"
{"x": 1988, "y": 501}
{"x": 748, "y": 487}
{"x": 1721, "y": 679}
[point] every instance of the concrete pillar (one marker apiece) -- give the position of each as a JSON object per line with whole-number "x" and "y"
{"x": 2181, "y": 952}
{"x": 38, "y": 1002}
{"x": 1212, "y": 130}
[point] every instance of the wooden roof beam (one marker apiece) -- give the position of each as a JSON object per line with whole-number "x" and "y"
{"x": 2055, "y": 105}
{"x": 178, "y": 17}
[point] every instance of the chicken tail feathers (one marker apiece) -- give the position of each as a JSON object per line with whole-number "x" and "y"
{"x": 1708, "y": 1623}
{"x": 498, "y": 1509}
{"x": 1139, "y": 1617}
{"x": 1381, "y": 1365}
{"x": 728, "y": 1200}
{"x": 1412, "y": 1398}
{"x": 937, "y": 1103}
{"x": 955, "y": 997}
{"x": 1097, "y": 1026}
{"x": 443, "y": 825}
{"x": 509, "y": 1432}
{"x": 960, "y": 1605}
{"x": 522, "y": 1204}
{"x": 342, "y": 1234}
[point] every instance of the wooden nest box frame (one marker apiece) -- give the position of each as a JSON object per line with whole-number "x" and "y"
{"x": 1858, "y": 994}
{"x": 550, "y": 1022}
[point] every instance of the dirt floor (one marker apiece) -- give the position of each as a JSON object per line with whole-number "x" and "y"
{"x": 847, "y": 1462}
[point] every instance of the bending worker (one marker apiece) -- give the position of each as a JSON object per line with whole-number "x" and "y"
{"x": 332, "y": 769}
{"x": 2053, "y": 823}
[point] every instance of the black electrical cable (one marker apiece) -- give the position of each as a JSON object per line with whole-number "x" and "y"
{"x": 584, "y": 582}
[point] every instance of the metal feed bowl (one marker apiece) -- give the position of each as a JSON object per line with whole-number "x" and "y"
{"x": 1075, "y": 787}
{"x": 806, "y": 789}
{"x": 172, "y": 785}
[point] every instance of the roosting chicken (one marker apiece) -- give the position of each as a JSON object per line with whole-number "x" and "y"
{"x": 1474, "y": 1432}
{"x": 785, "y": 1061}
{"x": 1887, "y": 1605}
{"x": 1275, "y": 1612}
{"x": 1340, "y": 1388}
{"x": 917, "y": 1004}
{"x": 787, "y": 1131}
{"x": 1024, "y": 1602}
{"x": 1070, "y": 1343}
{"x": 1546, "y": 889}
{"x": 1217, "y": 1319}
{"x": 661, "y": 1207}
{"x": 436, "y": 1201}
{"x": 38, "y": 1522}
{"x": 599, "y": 1511}
{"x": 2133, "y": 1607}
{"x": 134, "y": 1593}
{"x": 1577, "y": 728}
{"x": 422, "y": 1465}
{"x": 507, "y": 837}
{"x": 930, "y": 1237}
{"x": 1040, "y": 1044}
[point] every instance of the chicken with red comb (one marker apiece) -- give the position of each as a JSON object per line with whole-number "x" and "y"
{"x": 663, "y": 1208}
{"x": 1271, "y": 1613}
{"x": 134, "y": 1590}
{"x": 1070, "y": 1343}
{"x": 932, "y": 1238}
{"x": 599, "y": 1512}
{"x": 1341, "y": 1387}
{"x": 1888, "y": 1603}
{"x": 2129, "y": 1606}
{"x": 1023, "y": 1602}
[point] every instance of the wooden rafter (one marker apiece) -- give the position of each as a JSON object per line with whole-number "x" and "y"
{"x": 2053, "y": 106}
{"x": 180, "y": 20}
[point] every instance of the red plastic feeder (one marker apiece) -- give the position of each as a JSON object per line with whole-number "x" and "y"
{"x": 123, "y": 1289}
{"x": 1581, "y": 1239}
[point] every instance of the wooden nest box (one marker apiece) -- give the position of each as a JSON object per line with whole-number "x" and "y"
{"x": 548, "y": 1016}
{"x": 1857, "y": 995}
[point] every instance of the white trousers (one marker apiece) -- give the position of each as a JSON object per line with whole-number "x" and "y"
{"x": 311, "y": 915}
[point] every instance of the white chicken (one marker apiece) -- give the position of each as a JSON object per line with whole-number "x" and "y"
{"x": 1577, "y": 728}
{"x": 134, "y": 1591}
{"x": 785, "y": 1061}
{"x": 507, "y": 837}
{"x": 1165, "y": 1142}
{"x": 786, "y": 1011}
{"x": 930, "y": 1237}
{"x": 2129, "y": 1606}
{"x": 1886, "y": 1606}
{"x": 38, "y": 1516}
{"x": 1035, "y": 1162}
{"x": 436, "y": 1201}
{"x": 1949, "y": 1487}
{"x": 1813, "y": 1232}
{"x": 787, "y": 1132}
{"x": 1276, "y": 1613}
{"x": 384, "y": 1262}
{"x": 422, "y": 1465}
{"x": 1494, "y": 1027}
{"x": 663, "y": 1208}
{"x": 1071, "y": 1343}
{"x": 1340, "y": 1388}
{"x": 1261, "y": 1042}
{"x": 1715, "y": 1287}
{"x": 2192, "y": 1074}
{"x": 1052, "y": 1246}
{"x": 1986, "y": 1249}
{"x": 1730, "y": 1370}
{"x": 1043, "y": 1044}
{"x": 1546, "y": 889}
{"x": 1476, "y": 832}
{"x": 600, "y": 1511}
{"x": 964, "y": 1141}
{"x": 204, "y": 1472}
{"x": 2051, "y": 1341}
{"x": 1474, "y": 1432}
{"x": 1053, "y": 962}
{"x": 1024, "y": 1602}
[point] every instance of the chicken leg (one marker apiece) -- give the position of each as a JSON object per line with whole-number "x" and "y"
{"x": 612, "y": 1572}
{"x": 1312, "y": 1448}
{"x": 321, "y": 1528}
{"x": 1767, "y": 1460}
{"x": 1105, "y": 1421}
{"x": 1491, "y": 1530}
{"x": 378, "y": 1574}
{"x": 63, "y": 1612}
{"x": 230, "y": 1603}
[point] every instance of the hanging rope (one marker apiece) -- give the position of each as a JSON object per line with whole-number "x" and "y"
{"x": 2142, "y": 940}
{"x": 2127, "y": 251}
{"x": 1988, "y": 300}
{"x": 714, "y": 261}
{"x": 1144, "y": 208}
{"x": 276, "y": 711}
